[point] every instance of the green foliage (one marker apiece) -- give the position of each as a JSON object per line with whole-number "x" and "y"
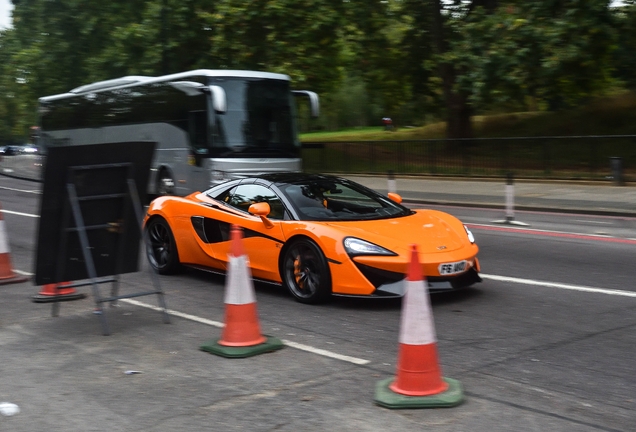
{"x": 366, "y": 59}
{"x": 624, "y": 58}
{"x": 296, "y": 37}
{"x": 614, "y": 115}
{"x": 348, "y": 106}
{"x": 554, "y": 53}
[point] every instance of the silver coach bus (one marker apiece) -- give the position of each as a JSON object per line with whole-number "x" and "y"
{"x": 209, "y": 125}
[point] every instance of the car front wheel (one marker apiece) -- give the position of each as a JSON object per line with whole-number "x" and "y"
{"x": 161, "y": 249}
{"x": 305, "y": 272}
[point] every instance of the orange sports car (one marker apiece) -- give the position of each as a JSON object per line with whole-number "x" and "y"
{"x": 317, "y": 235}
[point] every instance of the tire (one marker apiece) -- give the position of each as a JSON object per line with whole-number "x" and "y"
{"x": 305, "y": 272}
{"x": 165, "y": 183}
{"x": 161, "y": 248}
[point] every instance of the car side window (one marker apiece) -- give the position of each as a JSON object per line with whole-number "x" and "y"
{"x": 243, "y": 196}
{"x": 224, "y": 195}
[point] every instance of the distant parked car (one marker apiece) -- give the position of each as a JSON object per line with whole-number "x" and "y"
{"x": 10, "y": 150}
{"x": 13, "y": 149}
{"x": 30, "y": 149}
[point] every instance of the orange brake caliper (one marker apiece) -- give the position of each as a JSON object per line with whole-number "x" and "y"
{"x": 298, "y": 273}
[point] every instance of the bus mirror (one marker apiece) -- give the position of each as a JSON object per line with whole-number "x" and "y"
{"x": 188, "y": 87}
{"x": 313, "y": 101}
{"x": 219, "y": 100}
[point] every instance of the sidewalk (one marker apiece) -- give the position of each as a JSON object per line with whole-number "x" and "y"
{"x": 596, "y": 198}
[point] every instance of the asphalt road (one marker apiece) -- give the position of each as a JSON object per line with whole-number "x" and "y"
{"x": 545, "y": 342}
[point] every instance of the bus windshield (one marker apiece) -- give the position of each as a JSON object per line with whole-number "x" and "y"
{"x": 258, "y": 121}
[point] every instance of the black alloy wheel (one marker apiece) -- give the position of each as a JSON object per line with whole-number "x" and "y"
{"x": 305, "y": 272}
{"x": 161, "y": 248}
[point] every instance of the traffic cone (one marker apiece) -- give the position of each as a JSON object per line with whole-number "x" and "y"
{"x": 242, "y": 333}
{"x": 418, "y": 382}
{"x": 7, "y": 275}
{"x": 57, "y": 292}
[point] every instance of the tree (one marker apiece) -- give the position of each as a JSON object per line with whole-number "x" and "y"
{"x": 624, "y": 59}
{"x": 298, "y": 38}
{"x": 556, "y": 52}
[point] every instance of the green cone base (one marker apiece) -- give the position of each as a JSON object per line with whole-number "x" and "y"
{"x": 387, "y": 398}
{"x": 270, "y": 344}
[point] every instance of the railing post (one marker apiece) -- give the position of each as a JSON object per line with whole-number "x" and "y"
{"x": 391, "y": 186}
{"x": 465, "y": 148}
{"x": 593, "y": 156}
{"x": 504, "y": 155}
{"x": 372, "y": 156}
{"x": 546, "y": 159}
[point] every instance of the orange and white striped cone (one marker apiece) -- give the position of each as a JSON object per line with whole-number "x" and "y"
{"x": 7, "y": 275}
{"x": 241, "y": 335}
{"x": 418, "y": 382}
{"x": 57, "y": 292}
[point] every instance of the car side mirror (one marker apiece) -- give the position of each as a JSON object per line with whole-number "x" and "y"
{"x": 261, "y": 209}
{"x": 395, "y": 197}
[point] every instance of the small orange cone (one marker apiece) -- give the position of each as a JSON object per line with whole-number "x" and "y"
{"x": 242, "y": 333}
{"x": 418, "y": 382}
{"x": 7, "y": 275}
{"x": 57, "y": 292}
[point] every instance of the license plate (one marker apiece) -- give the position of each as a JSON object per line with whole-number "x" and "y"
{"x": 452, "y": 268}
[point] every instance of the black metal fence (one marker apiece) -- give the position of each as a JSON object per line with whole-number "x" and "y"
{"x": 605, "y": 158}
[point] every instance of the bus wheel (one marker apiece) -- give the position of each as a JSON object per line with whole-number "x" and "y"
{"x": 165, "y": 183}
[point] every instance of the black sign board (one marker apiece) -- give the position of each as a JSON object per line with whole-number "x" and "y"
{"x": 93, "y": 182}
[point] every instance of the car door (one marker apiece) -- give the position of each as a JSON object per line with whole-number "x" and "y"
{"x": 262, "y": 242}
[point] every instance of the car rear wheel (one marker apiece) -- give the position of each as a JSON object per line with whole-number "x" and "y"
{"x": 161, "y": 249}
{"x": 305, "y": 272}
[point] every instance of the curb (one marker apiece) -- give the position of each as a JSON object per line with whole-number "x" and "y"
{"x": 535, "y": 208}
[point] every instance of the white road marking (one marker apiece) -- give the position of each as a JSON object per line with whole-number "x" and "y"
{"x": 176, "y": 313}
{"x": 308, "y": 348}
{"x": 21, "y": 190}
{"x": 537, "y": 230}
{"x": 581, "y": 288}
{"x": 23, "y": 273}
{"x": 360, "y": 361}
{"x": 594, "y": 222}
{"x": 20, "y": 214}
{"x": 326, "y": 353}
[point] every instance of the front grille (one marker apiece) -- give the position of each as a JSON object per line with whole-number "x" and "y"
{"x": 379, "y": 277}
{"x": 463, "y": 280}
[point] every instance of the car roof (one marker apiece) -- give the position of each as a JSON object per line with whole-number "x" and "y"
{"x": 296, "y": 177}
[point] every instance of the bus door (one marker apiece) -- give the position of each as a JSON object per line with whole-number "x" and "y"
{"x": 199, "y": 172}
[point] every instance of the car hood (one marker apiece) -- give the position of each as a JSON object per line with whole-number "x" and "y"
{"x": 432, "y": 231}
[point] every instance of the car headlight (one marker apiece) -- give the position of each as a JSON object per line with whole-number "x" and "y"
{"x": 470, "y": 235}
{"x": 356, "y": 246}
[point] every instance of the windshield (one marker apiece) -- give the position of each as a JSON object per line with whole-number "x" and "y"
{"x": 259, "y": 121}
{"x": 326, "y": 199}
